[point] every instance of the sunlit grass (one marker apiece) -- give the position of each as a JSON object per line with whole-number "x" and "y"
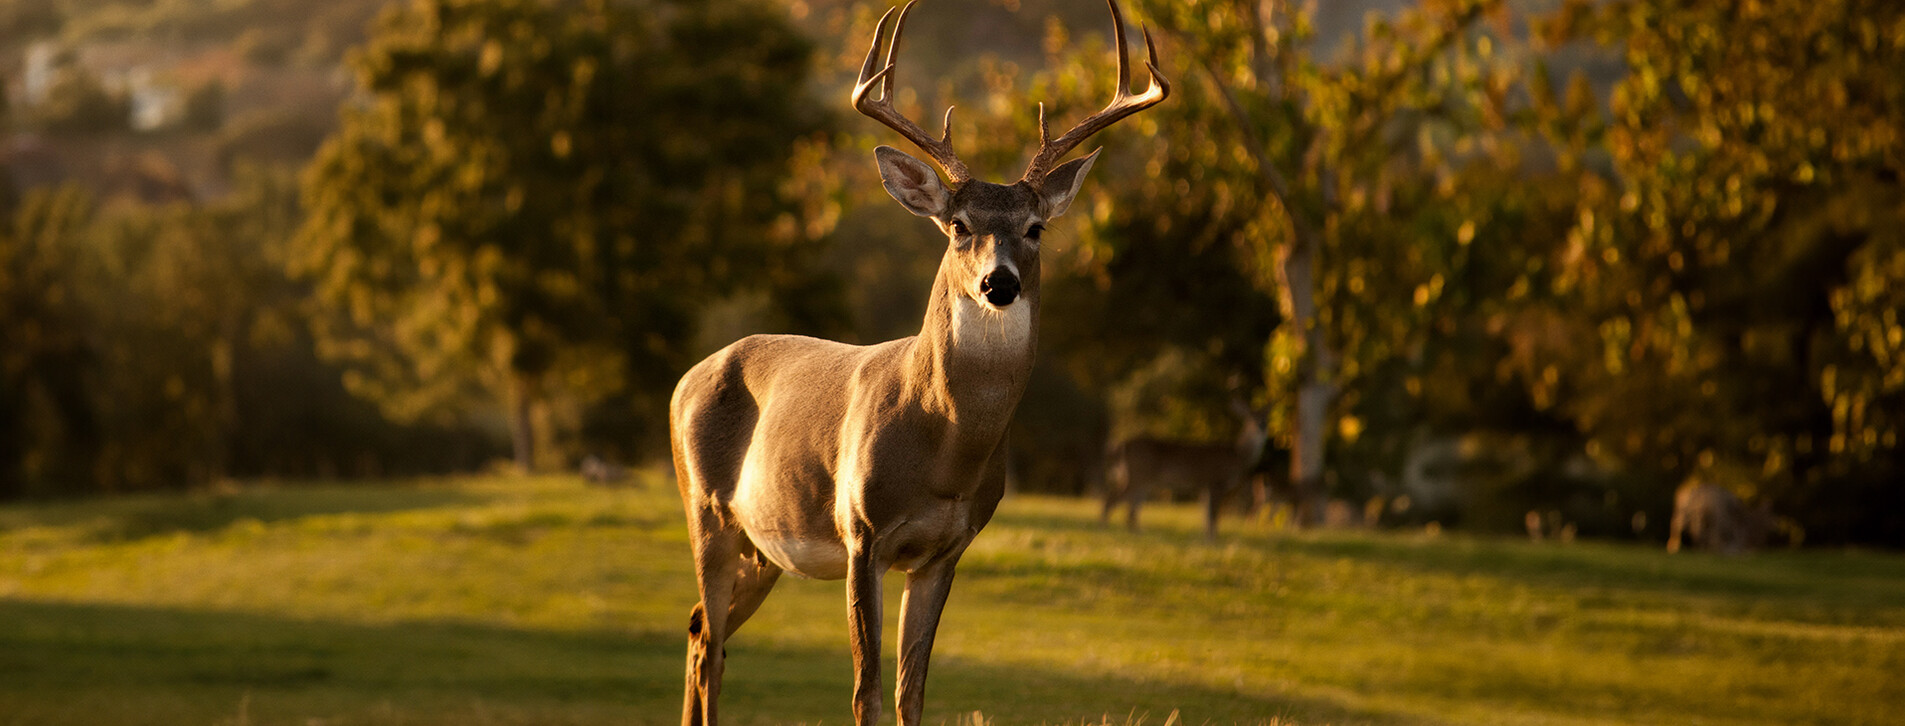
{"x": 497, "y": 600}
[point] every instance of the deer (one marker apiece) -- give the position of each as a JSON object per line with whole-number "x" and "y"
{"x": 835, "y": 461}
{"x": 1138, "y": 466}
{"x": 1712, "y": 517}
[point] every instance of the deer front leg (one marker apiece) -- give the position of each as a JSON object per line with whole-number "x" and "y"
{"x": 1220, "y": 491}
{"x": 1679, "y": 523}
{"x": 1134, "y": 499}
{"x": 863, "y": 625}
{"x": 926, "y": 592}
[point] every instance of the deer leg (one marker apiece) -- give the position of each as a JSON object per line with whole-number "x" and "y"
{"x": 756, "y": 578}
{"x": 1679, "y": 523}
{"x": 1213, "y": 502}
{"x": 863, "y": 626}
{"x": 1133, "y": 499}
{"x": 1259, "y": 497}
{"x": 753, "y": 579}
{"x": 926, "y": 592}
{"x": 717, "y": 573}
{"x": 1117, "y": 485}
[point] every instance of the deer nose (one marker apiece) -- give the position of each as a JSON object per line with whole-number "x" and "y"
{"x": 1000, "y": 287}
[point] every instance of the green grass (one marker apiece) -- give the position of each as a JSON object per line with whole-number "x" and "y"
{"x": 518, "y": 601}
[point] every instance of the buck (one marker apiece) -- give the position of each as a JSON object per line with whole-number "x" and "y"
{"x": 832, "y": 461}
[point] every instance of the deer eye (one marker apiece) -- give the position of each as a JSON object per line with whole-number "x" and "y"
{"x": 1034, "y": 231}
{"x": 959, "y": 228}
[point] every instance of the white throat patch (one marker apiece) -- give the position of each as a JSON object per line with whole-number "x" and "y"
{"x": 979, "y": 328}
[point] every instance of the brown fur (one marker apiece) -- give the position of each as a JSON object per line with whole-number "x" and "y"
{"x": 1138, "y": 468}
{"x": 1709, "y": 516}
{"x": 842, "y": 461}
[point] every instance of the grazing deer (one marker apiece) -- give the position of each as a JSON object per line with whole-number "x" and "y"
{"x": 1138, "y": 466}
{"x": 1710, "y": 516}
{"x": 839, "y": 461}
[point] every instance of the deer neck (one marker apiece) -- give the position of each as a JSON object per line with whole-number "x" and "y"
{"x": 971, "y": 362}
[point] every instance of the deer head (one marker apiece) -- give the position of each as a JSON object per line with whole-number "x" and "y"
{"x": 993, "y": 229}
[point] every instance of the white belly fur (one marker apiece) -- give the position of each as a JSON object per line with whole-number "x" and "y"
{"x": 815, "y": 559}
{"x": 791, "y": 549}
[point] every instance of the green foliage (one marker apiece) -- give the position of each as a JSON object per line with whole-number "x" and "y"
{"x": 77, "y": 103}
{"x": 508, "y": 600}
{"x": 1356, "y": 255}
{"x": 1734, "y": 261}
{"x": 1698, "y": 274}
{"x": 536, "y": 199}
{"x": 163, "y": 347}
{"x": 47, "y": 430}
{"x": 1615, "y": 243}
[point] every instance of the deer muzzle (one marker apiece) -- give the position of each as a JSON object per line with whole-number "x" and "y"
{"x": 1001, "y": 286}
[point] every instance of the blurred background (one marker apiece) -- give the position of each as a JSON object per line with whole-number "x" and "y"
{"x": 1476, "y": 263}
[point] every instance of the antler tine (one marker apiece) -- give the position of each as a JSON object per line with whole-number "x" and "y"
{"x": 1122, "y": 103}
{"x": 882, "y": 109}
{"x": 1117, "y": 34}
{"x": 873, "y": 55}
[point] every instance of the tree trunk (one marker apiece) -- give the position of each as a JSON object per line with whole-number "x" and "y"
{"x": 1315, "y": 371}
{"x": 224, "y": 360}
{"x": 522, "y": 422}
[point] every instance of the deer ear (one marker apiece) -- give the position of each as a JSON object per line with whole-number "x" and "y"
{"x": 911, "y": 181}
{"x": 1063, "y": 183}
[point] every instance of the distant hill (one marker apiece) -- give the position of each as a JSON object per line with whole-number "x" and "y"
{"x": 178, "y": 92}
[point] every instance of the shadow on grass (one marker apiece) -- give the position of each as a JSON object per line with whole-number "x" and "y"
{"x": 93, "y": 664}
{"x": 141, "y": 516}
{"x": 1843, "y": 579}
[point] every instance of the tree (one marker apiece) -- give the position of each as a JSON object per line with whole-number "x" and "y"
{"x": 187, "y": 298}
{"x": 46, "y": 421}
{"x": 1735, "y": 261}
{"x": 78, "y": 103}
{"x": 1339, "y": 169}
{"x": 534, "y": 198}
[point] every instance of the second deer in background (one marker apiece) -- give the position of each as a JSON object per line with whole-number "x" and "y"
{"x": 1138, "y": 467}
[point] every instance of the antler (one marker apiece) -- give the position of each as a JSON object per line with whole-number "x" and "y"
{"x": 1122, "y": 104}
{"x": 882, "y": 109}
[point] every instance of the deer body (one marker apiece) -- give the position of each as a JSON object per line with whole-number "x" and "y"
{"x": 1139, "y": 466}
{"x": 836, "y": 461}
{"x": 816, "y": 426}
{"x": 1712, "y": 517}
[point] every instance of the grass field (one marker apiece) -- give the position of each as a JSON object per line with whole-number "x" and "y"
{"x": 519, "y": 601}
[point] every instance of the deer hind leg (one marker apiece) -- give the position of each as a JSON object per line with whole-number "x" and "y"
{"x": 1134, "y": 496}
{"x": 751, "y": 585}
{"x": 753, "y": 579}
{"x": 719, "y": 569}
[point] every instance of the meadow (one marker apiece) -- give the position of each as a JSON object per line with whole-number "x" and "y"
{"x": 502, "y": 600}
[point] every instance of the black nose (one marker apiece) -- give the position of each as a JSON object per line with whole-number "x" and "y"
{"x": 1000, "y": 287}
